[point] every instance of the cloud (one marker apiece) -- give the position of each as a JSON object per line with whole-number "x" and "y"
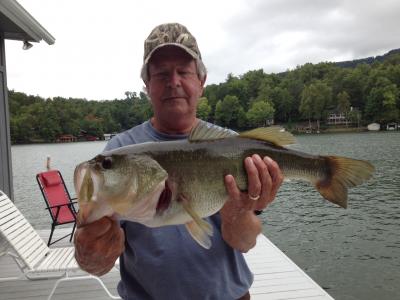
{"x": 280, "y": 34}
{"x": 99, "y": 45}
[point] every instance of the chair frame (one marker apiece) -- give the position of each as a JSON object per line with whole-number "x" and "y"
{"x": 55, "y": 221}
{"x": 34, "y": 258}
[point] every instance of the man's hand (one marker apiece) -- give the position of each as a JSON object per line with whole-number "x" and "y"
{"x": 98, "y": 245}
{"x": 240, "y": 226}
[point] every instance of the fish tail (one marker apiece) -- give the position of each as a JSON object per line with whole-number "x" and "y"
{"x": 342, "y": 173}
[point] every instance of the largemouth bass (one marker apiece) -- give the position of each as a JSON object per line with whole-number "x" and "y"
{"x": 182, "y": 182}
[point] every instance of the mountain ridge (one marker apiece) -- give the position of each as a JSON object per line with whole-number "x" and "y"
{"x": 367, "y": 60}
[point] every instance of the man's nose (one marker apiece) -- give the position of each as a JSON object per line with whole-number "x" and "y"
{"x": 174, "y": 79}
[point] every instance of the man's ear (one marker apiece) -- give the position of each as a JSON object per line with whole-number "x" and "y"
{"x": 202, "y": 83}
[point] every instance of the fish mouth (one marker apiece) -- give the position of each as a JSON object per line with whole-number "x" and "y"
{"x": 164, "y": 200}
{"x": 86, "y": 182}
{"x": 79, "y": 174}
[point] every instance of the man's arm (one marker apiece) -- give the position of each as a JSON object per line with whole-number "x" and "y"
{"x": 98, "y": 245}
{"x": 240, "y": 226}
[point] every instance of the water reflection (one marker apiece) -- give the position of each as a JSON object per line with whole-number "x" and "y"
{"x": 354, "y": 253}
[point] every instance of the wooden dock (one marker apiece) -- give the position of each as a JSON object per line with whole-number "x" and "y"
{"x": 276, "y": 277}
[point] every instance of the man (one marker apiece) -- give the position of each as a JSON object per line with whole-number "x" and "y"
{"x": 165, "y": 263}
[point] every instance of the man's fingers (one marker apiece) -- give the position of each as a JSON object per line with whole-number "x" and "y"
{"x": 97, "y": 228}
{"x": 254, "y": 188}
{"x": 266, "y": 182}
{"x": 98, "y": 245}
{"x": 231, "y": 187}
{"x": 115, "y": 241}
{"x": 276, "y": 176}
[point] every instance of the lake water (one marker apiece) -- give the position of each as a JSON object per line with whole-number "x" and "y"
{"x": 353, "y": 253}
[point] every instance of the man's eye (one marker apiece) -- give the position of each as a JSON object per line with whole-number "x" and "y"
{"x": 185, "y": 73}
{"x": 160, "y": 75}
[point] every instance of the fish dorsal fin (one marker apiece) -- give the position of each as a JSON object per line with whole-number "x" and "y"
{"x": 275, "y": 135}
{"x": 206, "y": 131}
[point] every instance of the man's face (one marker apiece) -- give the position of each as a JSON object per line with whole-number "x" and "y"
{"x": 174, "y": 86}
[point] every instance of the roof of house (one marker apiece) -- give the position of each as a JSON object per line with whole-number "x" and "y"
{"x": 17, "y": 24}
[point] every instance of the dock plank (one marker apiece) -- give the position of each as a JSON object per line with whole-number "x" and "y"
{"x": 278, "y": 277}
{"x": 275, "y": 277}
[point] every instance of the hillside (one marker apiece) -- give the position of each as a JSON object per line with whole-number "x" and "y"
{"x": 368, "y": 60}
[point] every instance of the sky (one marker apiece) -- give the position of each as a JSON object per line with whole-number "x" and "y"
{"x": 98, "y": 51}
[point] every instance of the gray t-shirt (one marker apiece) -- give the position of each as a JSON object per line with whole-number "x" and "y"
{"x": 165, "y": 262}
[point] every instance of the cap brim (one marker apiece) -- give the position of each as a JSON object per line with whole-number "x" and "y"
{"x": 189, "y": 51}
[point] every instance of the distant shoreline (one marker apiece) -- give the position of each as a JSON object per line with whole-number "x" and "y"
{"x": 47, "y": 142}
{"x": 335, "y": 130}
{"x": 295, "y": 132}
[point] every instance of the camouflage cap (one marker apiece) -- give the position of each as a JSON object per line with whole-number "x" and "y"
{"x": 170, "y": 34}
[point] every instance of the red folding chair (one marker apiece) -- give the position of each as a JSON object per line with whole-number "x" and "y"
{"x": 58, "y": 201}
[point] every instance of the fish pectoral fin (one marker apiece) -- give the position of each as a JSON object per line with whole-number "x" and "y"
{"x": 199, "y": 229}
{"x": 198, "y": 234}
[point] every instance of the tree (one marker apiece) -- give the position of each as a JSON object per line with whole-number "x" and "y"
{"x": 343, "y": 100}
{"x": 343, "y": 104}
{"x": 355, "y": 83}
{"x": 203, "y": 109}
{"x": 259, "y": 113}
{"x": 306, "y": 108}
{"x": 92, "y": 125}
{"x": 283, "y": 102}
{"x": 382, "y": 102}
{"x": 315, "y": 100}
{"x": 253, "y": 81}
{"x": 229, "y": 113}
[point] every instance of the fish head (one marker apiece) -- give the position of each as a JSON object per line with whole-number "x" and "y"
{"x": 126, "y": 185}
{"x": 105, "y": 185}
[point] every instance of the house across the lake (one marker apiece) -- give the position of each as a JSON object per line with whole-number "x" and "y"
{"x": 66, "y": 138}
{"x": 392, "y": 126}
{"x": 108, "y": 136}
{"x": 337, "y": 119}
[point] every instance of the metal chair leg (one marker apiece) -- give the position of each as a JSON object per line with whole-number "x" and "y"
{"x": 51, "y": 235}
{"x": 72, "y": 233}
{"x": 80, "y": 278}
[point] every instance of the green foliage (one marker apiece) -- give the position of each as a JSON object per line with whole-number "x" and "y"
{"x": 203, "y": 109}
{"x": 230, "y": 113}
{"x": 259, "y": 113}
{"x": 343, "y": 102}
{"x": 365, "y": 93}
{"x": 383, "y": 101}
{"x": 33, "y": 118}
{"x": 315, "y": 100}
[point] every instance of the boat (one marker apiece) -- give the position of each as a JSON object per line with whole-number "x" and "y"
{"x": 374, "y": 127}
{"x": 392, "y": 126}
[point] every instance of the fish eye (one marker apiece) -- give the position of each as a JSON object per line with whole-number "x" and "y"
{"x": 107, "y": 163}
